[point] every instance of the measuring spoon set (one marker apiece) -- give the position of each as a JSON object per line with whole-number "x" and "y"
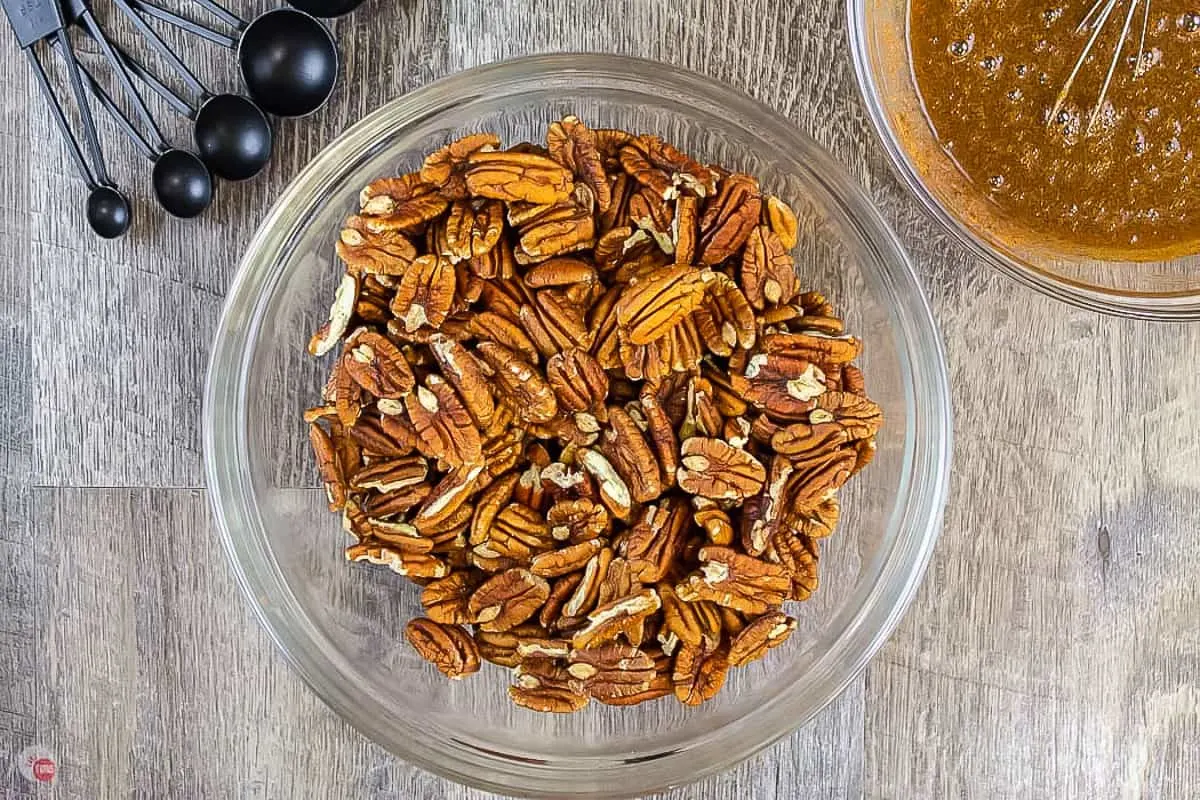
{"x": 288, "y": 62}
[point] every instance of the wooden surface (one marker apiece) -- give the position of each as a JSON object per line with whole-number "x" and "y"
{"x": 1053, "y": 652}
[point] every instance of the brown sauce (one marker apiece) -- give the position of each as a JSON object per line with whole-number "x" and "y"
{"x": 989, "y": 73}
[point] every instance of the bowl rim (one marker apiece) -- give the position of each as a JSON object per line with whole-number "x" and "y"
{"x": 1153, "y": 306}
{"x": 913, "y": 526}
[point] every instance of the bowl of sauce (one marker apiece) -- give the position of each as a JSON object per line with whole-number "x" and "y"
{"x": 1058, "y": 139}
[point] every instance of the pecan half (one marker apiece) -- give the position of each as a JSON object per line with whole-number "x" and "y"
{"x": 715, "y": 469}
{"x": 563, "y": 228}
{"x": 768, "y": 631}
{"x": 377, "y": 365}
{"x": 447, "y": 647}
{"x": 415, "y": 565}
{"x": 653, "y": 544}
{"x": 611, "y": 671}
{"x": 606, "y": 622}
{"x": 699, "y": 673}
{"x": 578, "y": 380}
{"x": 614, "y": 491}
{"x": 728, "y": 219}
{"x": 425, "y": 294}
{"x": 443, "y": 427}
{"x": 502, "y": 647}
{"x": 523, "y": 386}
{"x": 542, "y": 685}
{"x": 577, "y": 520}
{"x": 573, "y": 144}
{"x": 768, "y": 273}
{"x": 628, "y": 451}
{"x": 340, "y": 313}
{"x": 463, "y": 372}
{"x": 692, "y": 623}
{"x": 445, "y": 600}
{"x": 649, "y": 308}
{"x": 517, "y": 177}
{"x": 571, "y": 558}
{"x": 736, "y": 581}
{"x": 366, "y": 248}
{"x": 508, "y": 599}
{"x": 404, "y": 203}
{"x": 782, "y": 220}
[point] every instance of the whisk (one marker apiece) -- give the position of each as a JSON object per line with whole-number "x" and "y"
{"x": 1094, "y": 21}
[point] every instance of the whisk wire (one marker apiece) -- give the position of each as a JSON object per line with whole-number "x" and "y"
{"x": 1090, "y": 17}
{"x": 1112, "y": 67}
{"x": 1095, "y": 21}
{"x": 1139, "y": 68}
{"x": 1061, "y": 101}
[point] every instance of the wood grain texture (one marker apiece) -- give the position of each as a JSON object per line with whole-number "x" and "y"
{"x": 18, "y": 606}
{"x": 1052, "y": 652}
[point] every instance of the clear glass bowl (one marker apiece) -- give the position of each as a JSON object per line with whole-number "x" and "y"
{"x": 341, "y": 625}
{"x": 1166, "y": 290}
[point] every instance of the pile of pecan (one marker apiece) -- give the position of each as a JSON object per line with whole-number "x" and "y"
{"x": 582, "y": 399}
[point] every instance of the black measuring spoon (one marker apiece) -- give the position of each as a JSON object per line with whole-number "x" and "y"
{"x": 232, "y": 134}
{"x": 182, "y": 184}
{"x": 108, "y": 210}
{"x": 288, "y": 59}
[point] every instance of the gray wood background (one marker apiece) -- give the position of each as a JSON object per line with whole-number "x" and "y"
{"x": 1054, "y": 651}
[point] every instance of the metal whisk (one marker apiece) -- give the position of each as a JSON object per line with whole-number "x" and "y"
{"x": 1095, "y": 21}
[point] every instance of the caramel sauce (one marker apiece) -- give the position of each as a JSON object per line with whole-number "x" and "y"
{"x": 989, "y": 73}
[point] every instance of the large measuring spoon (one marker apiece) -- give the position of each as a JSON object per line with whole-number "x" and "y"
{"x": 288, "y": 59}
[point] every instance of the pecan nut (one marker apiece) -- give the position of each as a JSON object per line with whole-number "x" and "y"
{"x": 715, "y": 469}
{"x": 768, "y": 273}
{"x": 736, "y": 581}
{"x": 444, "y": 429}
{"x": 448, "y": 647}
{"x": 768, "y": 631}
{"x": 782, "y": 220}
{"x": 655, "y": 541}
{"x": 699, "y": 673}
{"x": 508, "y": 599}
{"x": 573, "y": 144}
{"x": 649, "y": 308}
{"x": 612, "y": 671}
{"x": 445, "y": 600}
{"x": 425, "y": 294}
{"x": 377, "y": 365}
{"x": 728, "y": 219}
{"x": 606, "y": 622}
{"x": 517, "y": 177}
{"x": 404, "y": 203}
{"x": 522, "y": 384}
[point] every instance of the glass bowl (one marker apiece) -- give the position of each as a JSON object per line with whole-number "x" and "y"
{"x": 341, "y": 625}
{"x": 1166, "y": 290}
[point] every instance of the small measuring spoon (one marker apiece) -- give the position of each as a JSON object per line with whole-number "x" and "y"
{"x": 232, "y": 134}
{"x": 108, "y": 210}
